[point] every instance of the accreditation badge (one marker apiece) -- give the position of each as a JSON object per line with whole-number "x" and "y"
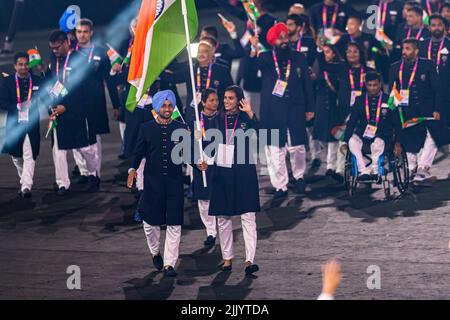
{"x": 58, "y": 90}
{"x": 354, "y": 94}
{"x": 370, "y": 132}
{"x": 23, "y": 110}
{"x": 280, "y": 88}
{"x": 405, "y": 98}
{"x": 225, "y": 155}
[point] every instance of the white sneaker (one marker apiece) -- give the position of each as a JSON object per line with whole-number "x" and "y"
{"x": 422, "y": 175}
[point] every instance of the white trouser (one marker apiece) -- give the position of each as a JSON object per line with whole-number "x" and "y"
{"x": 81, "y": 162}
{"x": 340, "y": 164}
{"x": 140, "y": 175}
{"x": 332, "y": 155}
{"x": 208, "y": 221}
{"x": 425, "y": 158}
{"x": 171, "y": 246}
{"x": 315, "y": 146}
{"x": 122, "y": 126}
{"x": 276, "y": 164}
{"x": 60, "y": 160}
{"x": 25, "y": 165}
{"x": 355, "y": 145}
{"x": 248, "y": 221}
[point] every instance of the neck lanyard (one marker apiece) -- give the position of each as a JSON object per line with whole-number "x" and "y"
{"x": 361, "y": 78}
{"x": 202, "y": 120}
{"x": 277, "y": 67}
{"x": 64, "y": 68}
{"x": 328, "y": 81}
{"x": 429, "y": 10}
{"x": 333, "y": 19}
{"x": 438, "y": 56}
{"x": 299, "y": 42}
{"x": 30, "y": 90}
{"x": 226, "y": 129}
{"x": 199, "y": 78}
{"x": 91, "y": 52}
{"x": 413, "y": 73}
{"x": 377, "y": 119}
{"x": 419, "y": 33}
{"x": 382, "y": 15}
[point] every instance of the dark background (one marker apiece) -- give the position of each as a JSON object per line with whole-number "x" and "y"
{"x": 39, "y": 14}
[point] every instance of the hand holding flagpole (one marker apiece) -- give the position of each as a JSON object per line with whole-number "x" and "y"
{"x": 194, "y": 94}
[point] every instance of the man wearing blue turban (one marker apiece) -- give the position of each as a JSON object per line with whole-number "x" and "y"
{"x": 162, "y": 201}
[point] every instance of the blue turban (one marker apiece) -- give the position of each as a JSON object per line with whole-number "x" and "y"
{"x": 161, "y": 97}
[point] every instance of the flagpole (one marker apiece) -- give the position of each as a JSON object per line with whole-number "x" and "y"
{"x": 194, "y": 94}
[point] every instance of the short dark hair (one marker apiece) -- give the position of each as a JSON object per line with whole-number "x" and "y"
{"x": 87, "y": 22}
{"x": 299, "y": 21}
{"x": 356, "y": 17}
{"x": 444, "y": 5}
{"x": 207, "y": 92}
{"x": 19, "y": 55}
{"x": 411, "y": 41}
{"x": 416, "y": 9}
{"x": 337, "y": 55}
{"x": 439, "y": 17}
{"x": 372, "y": 76}
{"x": 211, "y": 30}
{"x": 57, "y": 36}
{"x": 411, "y": 3}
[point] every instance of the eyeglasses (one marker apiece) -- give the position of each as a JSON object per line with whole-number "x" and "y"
{"x": 56, "y": 48}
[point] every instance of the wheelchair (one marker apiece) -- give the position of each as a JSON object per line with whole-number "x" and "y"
{"x": 388, "y": 165}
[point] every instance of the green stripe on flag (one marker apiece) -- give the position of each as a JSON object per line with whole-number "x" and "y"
{"x": 169, "y": 39}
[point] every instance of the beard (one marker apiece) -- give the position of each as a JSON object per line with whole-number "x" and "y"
{"x": 283, "y": 52}
{"x": 438, "y": 34}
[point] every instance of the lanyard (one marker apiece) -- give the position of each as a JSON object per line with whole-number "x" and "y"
{"x": 30, "y": 90}
{"x": 419, "y": 33}
{"x": 226, "y": 129}
{"x": 382, "y": 14}
{"x": 299, "y": 42}
{"x": 202, "y": 121}
{"x": 199, "y": 78}
{"x": 64, "y": 68}
{"x": 361, "y": 78}
{"x": 438, "y": 56}
{"x": 327, "y": 79}
{"x": 91, "y": 52}
{"x": 429, "y": 10}
{"x": 333, "y": 19}
{"x": 413, "y": 73}
{"x": 377, "y": 119}
{"x": 277, "y": 67}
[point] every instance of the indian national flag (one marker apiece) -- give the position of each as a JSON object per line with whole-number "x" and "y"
{"x": 383, "y": 38}
{"x": 177, "y": 114}
{"x": 35, "y": 58}
{"x": 415, "y": 121}
{"x": 250, "y": 8}
{"x": 159, "y": 38}
{"x": 394, "y": 98}
{"x": 51, "y": 124}
{"x": 114, "y": 56}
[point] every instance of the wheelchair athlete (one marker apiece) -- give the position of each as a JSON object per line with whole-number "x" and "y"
{"x": 372, "y": 123}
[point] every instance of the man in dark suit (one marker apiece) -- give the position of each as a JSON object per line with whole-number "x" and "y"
{"x": 420, "y": 109}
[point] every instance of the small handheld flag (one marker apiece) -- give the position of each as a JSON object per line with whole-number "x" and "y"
{"x": 34, "y": 58}
{"x": 51, "y": 125}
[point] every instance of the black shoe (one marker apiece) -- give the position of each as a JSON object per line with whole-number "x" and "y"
{"x": 316, "y": 163}
{"x": 93, "y": 184}
{"x": 83, "y": 180}
{"x": 375, "y": 177}
{"x": 338, "y": 177}
{"x": 76, "y": 171}
{"x": 330, "y": 173}
{"x": 25, "y": 193}
{"x": 251, "y": 269}
{"x": 210, "y": 241}
{"x": 55, "y": 186}
{"x": 227, "y": 268}
{"x": 138, "y": 194}
{"x": 61, "y": 191}
{"x": 158, "y": 262}
{"x": 280, "y": 194}
{"x": 300, "y": 186}
{"x": 364, "y": 178}
{"x": 170, "y": 272}
{"x": 270, "y": 190}
{"x": 121, "y": 157}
